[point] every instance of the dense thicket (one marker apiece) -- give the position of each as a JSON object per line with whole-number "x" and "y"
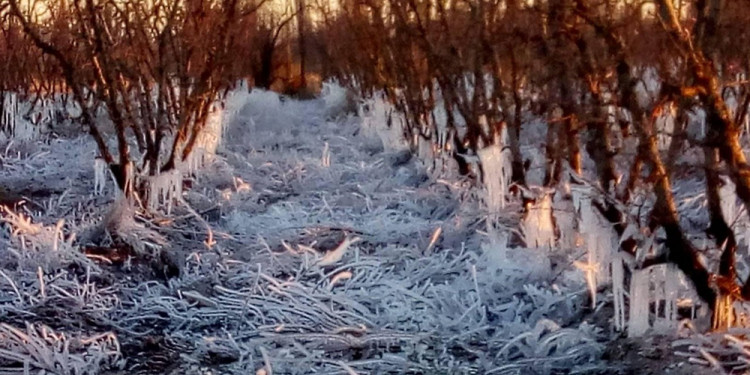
{"x": 586, "y": 68}
{"x": 602, "y": 75}
{"x": 155, "y": 69}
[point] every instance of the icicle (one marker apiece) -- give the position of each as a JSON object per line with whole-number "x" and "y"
{"x": 728, "y": 199}
{"x": 164, "y": 189}
{"x": 671, "y": 289}
{"x": 425, "y": 150}
{"x": 326, "y": 158}
{"x": 665, "y": 127}
{"x": 496, "y": 167}
{"x": 196, "y": 160}
{"x": 618, "y": 290}
{"x": 100, "y": 175}
{"x": 208, "y": 141}
{"x": 607, "y": 245}
{"x": 538, "y": 228}
{"x": 639, "y": 303}
{"x": 129, "y": 180}
{"x": 590, "y": 268}
{"x": 381, "y": 120}
{"x": 566, "y": 219}
{"x": 663, "y": 298}
{"x": 598, "y": 237}
{"x": 25, "y": 130}
{"x": 10, "y": 113}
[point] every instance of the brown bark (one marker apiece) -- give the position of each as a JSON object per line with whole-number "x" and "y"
{"x": 562, "y": 135}
{"x": 518, "y": 175}
{"x": 719, "y": 229}
{"x": 599, "y": 140}
{"x": 723, "y": 131}
{"x": 575, "y": 160}
{"x": 554, "y": 151}
{"x": 680, "y": 251}
{"x": 70, "y": 78}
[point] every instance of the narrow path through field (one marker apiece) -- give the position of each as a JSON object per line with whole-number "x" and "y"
{"x": 335, "y": 253}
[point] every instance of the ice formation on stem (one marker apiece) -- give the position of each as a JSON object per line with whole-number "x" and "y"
{"x": 196, "y": 160}
{"x": 496, "y": 163}
{"x": 665, "y": 127}
{"x": 209, "y": 139}
{"x": 666, "y": 280}
{"x": 164, "y": 189}
{"x": 10, "y": 113}
{"x": 729, "y": 209}
{"x": 380, "y": 119}
{"x": 618, "y": 292}
{"x": 538, "y": 228}
{"x": 100, "y": 175}
{"x": 640, "y": 299}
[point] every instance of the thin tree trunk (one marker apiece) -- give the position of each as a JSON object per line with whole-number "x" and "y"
{"x": 575, "y": 160}
{"x": 553, "y": 150}
{"x": 723, "y": 130}
{"x": 680, "y": 251}
{"x": 518, "y": 175}
{"x": 719, "y": 229}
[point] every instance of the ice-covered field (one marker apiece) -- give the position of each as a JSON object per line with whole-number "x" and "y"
{"x": 333, "y": 251}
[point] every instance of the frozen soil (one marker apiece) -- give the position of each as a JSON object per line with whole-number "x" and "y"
{"x": 332, "y": 251}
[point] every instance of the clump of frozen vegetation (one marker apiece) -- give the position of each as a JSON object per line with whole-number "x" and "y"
{"x": 42, "y": 348}
{"x": 381, "y": 119}
{"x": 36, "y": 284}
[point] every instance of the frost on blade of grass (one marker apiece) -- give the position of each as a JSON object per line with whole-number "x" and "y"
{"x": 35, "y": 268}
{"x": 727, "y": 351}
{"x": 35, "y": 245}
{"x": 316, "y": 317}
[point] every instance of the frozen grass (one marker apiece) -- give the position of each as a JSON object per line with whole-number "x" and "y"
{"x": 335, "y": 253}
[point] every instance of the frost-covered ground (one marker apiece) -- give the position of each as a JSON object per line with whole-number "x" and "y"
{"x": 331, "y": 252}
